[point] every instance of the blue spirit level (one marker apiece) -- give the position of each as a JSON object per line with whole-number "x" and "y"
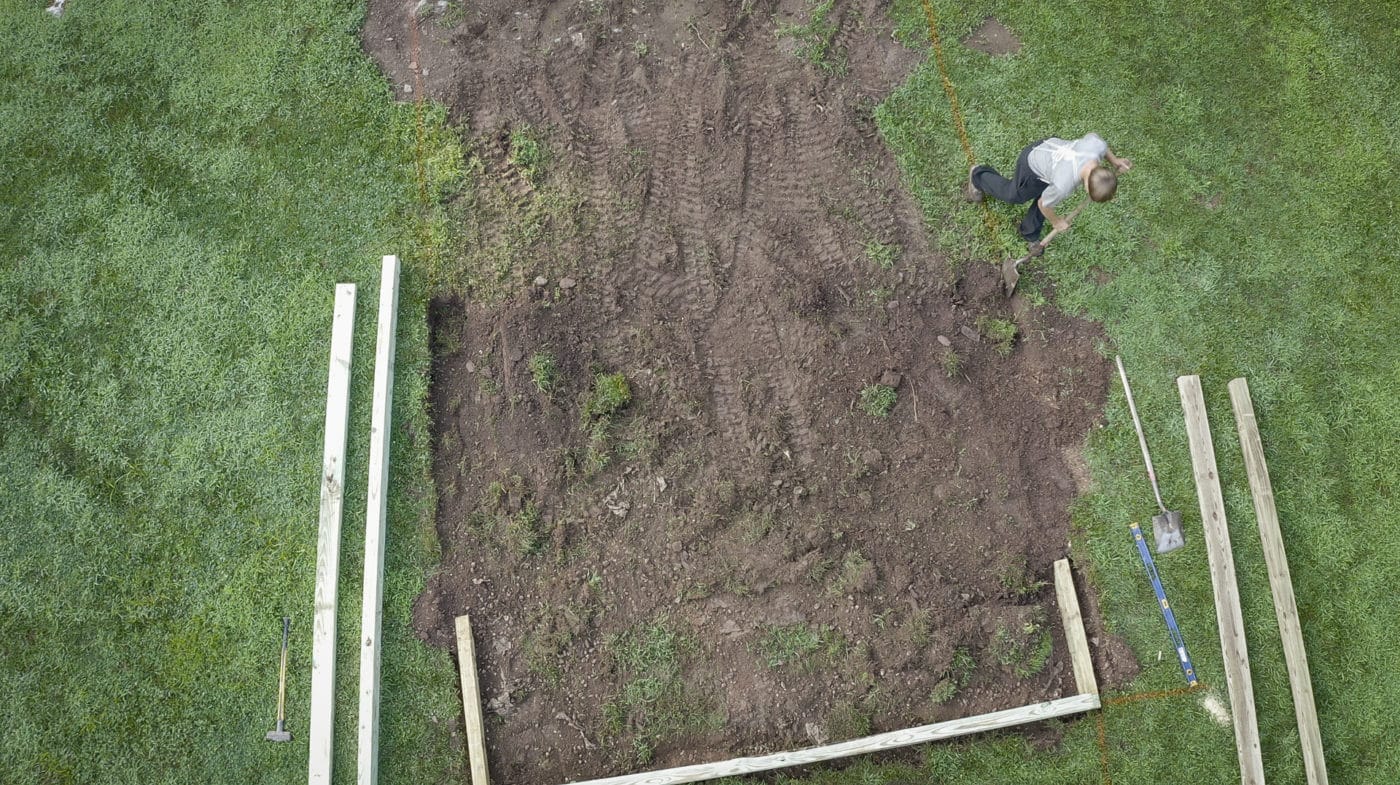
{"x": 1187, "y": 668}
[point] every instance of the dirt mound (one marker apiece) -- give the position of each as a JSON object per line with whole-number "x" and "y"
{"x": 722, "y": 552}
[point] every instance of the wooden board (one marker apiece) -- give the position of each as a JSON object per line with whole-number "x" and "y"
{"x": 1079, "y": 656}
{"x": 471, "y": 702}
{"x": 371, "y": 613}
{"x": 884, "y": 741}
{"x": 1280, "y": 582}
{"x": 322, "y": 714}
{"x": 1222, "y": 577}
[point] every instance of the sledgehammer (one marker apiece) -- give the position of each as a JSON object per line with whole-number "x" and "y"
{"x": 281, "y": 733}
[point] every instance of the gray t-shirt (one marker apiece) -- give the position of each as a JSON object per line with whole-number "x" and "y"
{"x": 1057, "y": 162}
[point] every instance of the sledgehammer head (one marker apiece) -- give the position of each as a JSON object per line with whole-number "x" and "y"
{"x": 281, "y": 734}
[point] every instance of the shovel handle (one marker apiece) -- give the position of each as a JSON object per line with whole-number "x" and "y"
{"x": 1142, "y": 440}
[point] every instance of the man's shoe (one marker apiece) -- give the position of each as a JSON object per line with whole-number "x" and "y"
{"x": 970, "y": 192}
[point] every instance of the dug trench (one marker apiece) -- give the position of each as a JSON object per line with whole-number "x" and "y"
{"x": 682, "y": 275}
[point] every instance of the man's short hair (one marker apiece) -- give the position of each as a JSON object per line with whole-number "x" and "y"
{"x": 1103, "y": 184}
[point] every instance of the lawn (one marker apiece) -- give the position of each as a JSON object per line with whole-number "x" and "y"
{"x": 1255, "y": 238}
{"x": 182, "y": 186}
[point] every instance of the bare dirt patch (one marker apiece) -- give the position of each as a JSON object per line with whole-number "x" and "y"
{"x": 732, "y": 557}
{"x": 993, "y": 38}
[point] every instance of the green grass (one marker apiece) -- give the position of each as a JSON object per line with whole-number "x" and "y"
{"x": 1252, "y": 238}
{"x": 182, "y": 186}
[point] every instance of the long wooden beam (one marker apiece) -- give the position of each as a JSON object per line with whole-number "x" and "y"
{"x": 322, "y": 714}
{"x": 371, "y": 611}
{"x": 1280, "y": 582}
{"x": 880, "y": 742}
{"x": 1228, "y": 616}
{"x": 1079, "y": 656}
{"x": 471, "y": 702}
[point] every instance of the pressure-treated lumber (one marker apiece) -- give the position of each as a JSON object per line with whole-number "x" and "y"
{"x": 1079, "y": 656}
{"x": 322, "y": 714}
{"x": 471, "y": 702}
{"x": 1222, "y": 577}
{"x": 371, "y": 613}
{"x": 1280, "y": 582}
{"x": 884, "y": 741}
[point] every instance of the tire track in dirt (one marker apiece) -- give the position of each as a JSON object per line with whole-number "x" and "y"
{"x": 728, "y": 190}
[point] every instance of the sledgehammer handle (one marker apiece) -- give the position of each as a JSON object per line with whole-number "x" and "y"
{"x": 282, "y": 679}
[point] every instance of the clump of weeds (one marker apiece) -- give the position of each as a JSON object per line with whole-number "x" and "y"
{"x": 816, "y": 40}
{"x": 1001, "y": 332}
{"x": 955, "y": 678}
{"x": 653, "y": 703}
{"x": 797, "y": 644}
{"x": 544, "y": 372}
{"x": 877, "y": 400}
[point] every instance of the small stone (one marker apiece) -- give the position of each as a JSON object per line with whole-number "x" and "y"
{"x": 567, "y": 283}
{"x": 471, "y": 367}
{"x": 943, "y": 339}
{"x": 891, "y": 378}
{"x": 891, "y": 305}
{"x": 408, "y": 88}
{"x": 425, "y": 72}
{"x": 540, "y": 280}
{"x": 413, "y": 65}
{"x": 969, "y": 332}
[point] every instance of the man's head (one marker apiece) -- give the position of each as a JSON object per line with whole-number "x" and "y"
{"x": 1102, "y": 183}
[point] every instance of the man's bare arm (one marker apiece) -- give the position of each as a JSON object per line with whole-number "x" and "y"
{"x": 1121, "y": 164}
{"x": 1056, "y": 220}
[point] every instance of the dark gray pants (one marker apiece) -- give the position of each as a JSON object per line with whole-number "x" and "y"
{"x": 1023, "y": 186}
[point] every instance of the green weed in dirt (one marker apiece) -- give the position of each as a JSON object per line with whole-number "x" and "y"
{"x": 951, "y": 362}
{"x": 1001, "y": 332}
{"x": 1025, "y": 649}
{"x": 953, "y": 680}
{"x": 816, "y": 38}
{"x": 528, "y": 154}
{"x": 884, "y": 255}
{"x": 611, "y": 394}
{"x": 794, "y": 644}
{"x": 653, "y": 703}
{"x": 877, "y": 400}
{"x": 544, "y": 372}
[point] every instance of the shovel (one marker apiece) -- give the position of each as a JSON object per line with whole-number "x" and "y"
{"x": 1166, "y": 526}
{"x": 1011, "y": 275}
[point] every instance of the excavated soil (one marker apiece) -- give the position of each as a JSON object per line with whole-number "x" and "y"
{"x": 741, "y": 560}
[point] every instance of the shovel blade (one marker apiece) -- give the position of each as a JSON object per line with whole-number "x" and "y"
{"x": 1166, "y": 531}
{"x": 1010, "y": 275}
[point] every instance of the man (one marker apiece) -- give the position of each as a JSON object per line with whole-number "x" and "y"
{"x": 1047, "y": 172}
